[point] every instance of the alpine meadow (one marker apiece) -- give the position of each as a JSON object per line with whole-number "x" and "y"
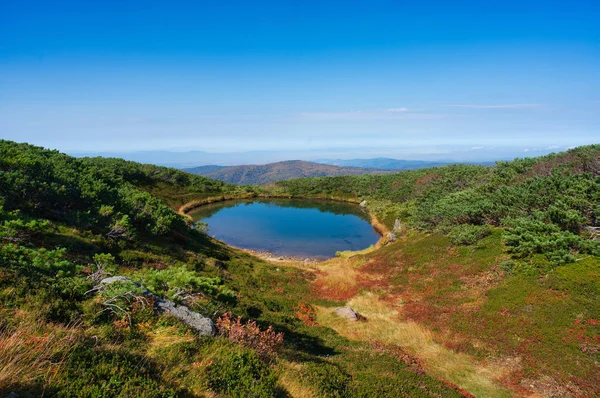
{"x": 489, "y": 287}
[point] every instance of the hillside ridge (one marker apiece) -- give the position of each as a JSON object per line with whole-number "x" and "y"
{"x": 278, "y": 171}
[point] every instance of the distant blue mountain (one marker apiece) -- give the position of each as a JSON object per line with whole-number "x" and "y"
{"x": 393, "y": 164}
{"x": 201, "y": 170}
{"x": 384, "y": 163}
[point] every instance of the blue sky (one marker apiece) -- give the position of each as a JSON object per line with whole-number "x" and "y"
{"x": 445, "y": 79}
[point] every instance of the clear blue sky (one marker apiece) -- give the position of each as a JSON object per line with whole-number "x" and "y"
{"x": 405, "y": 79}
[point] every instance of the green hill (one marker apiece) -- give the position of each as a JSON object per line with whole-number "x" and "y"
{"x": 490, "y": 288}
{"x": 272, "y": 172}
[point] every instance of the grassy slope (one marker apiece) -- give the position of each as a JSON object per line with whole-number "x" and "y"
{"x": 57, "y": 339}
{"x": 530, "y": 329}
{"x": 433, "y": 310}
{"x": 263, "y": 174}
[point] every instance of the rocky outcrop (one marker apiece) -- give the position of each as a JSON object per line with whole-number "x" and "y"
{"x": 203, "y": 325}
{"x": 390, "y": 236}
{"x": 363, "y": 203}
{"x": 397, "y": 226}
{"x": 348, "y": 313}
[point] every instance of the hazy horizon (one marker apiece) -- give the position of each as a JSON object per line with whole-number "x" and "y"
{"x": 429, "y": 80}
{"x": 199, "y": 158}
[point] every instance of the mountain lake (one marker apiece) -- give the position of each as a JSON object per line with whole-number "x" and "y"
{"x": 289, "y": 227}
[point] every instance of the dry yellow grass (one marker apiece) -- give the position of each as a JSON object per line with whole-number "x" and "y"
{"x": 384, "y": 324}
{"x": 288, "y": 380}
{"x": 163, "y": 337}
{"x": 33, "y": 352}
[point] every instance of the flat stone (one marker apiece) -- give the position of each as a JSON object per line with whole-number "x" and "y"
{"x": 348, "y": 313}
{"x": 203, "y": 325}
{"x": 397, "y": 225}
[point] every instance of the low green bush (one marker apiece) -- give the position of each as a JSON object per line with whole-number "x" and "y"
{"x": 527, "y": 236}
{"x": 242, "y": 375}
{"x": 329, "y": 379}
{"x": 100, "y": 373}
{"x": 467, "y": 234}
{"x": 178, "y": 282}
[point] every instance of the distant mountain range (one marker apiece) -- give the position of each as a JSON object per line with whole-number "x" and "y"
{"x": 266, "y": 173}
{"x": 392, "y": 164}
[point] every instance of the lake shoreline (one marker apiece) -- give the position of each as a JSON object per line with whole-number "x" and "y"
{"x": 379, "y": 227}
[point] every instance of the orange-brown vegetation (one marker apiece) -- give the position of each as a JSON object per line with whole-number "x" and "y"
{"x": 306, "y": 313}
{"x": 265, "y": 343}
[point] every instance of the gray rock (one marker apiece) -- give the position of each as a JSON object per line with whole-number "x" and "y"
{"x": 397, "y": 225}
{"x": 363, "y": 203}
{"x": 203, "y": 325}
{"x": 390, "y": 236}
{"x": 348, "y": 313}
{"x": 113, "y": 279}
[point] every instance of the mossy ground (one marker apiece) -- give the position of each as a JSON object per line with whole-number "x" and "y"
{"x": 468, "y": 321}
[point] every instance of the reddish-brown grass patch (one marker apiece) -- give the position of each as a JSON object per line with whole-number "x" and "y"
{"x": 336, "y": 292}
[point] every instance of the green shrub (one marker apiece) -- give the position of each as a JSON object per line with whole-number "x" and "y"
{"x": 467, "y": 234}
{"x": 179, "y": 282}
{"x": 508, "y": 266}
{"x": 329, "y": 379}
{"x": 530, "y": 235}
{"x": 98, "y": 373}
{"x": 242, "y": 375}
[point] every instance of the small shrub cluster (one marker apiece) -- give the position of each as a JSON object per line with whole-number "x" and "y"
{"x": 265, "y": 343}
{"x": 527, "y": 236}
{"x": 179, "y": 283}
{"x": 242, "y": 375}
{"x": 467, "y": 234}
{"x": 306, "y": 314}
{"x": 329, "y": 379}
{"x": 107, "y": 373}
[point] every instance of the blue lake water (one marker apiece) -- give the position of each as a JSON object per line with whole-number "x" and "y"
{"x": 289, "y": 227}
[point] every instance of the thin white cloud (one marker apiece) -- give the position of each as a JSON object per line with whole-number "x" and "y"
{"x": 377, "y": 114}
{"x": 497, "y": 106}
{"x": 476, "y": 148}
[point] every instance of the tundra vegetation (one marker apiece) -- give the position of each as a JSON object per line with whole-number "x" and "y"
{"x": 490, "y": 289}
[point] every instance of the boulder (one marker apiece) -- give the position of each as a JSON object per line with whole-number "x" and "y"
{"x": 348, "y": 313}
{"x": 363, "y": 203}
{"x": 203, "y": 325}
{"x": 397, "y": 226}
{"x": 390, "y": 236}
